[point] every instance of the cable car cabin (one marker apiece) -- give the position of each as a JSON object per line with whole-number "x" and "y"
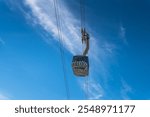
{"x": 80, "y": 65}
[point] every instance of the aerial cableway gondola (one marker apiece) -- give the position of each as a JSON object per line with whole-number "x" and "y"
{"x": 80, "y": 63}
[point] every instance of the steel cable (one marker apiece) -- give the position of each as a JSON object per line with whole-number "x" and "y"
{"x": 61, "y": 46}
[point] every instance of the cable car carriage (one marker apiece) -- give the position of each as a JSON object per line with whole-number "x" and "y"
{"x": 80, "y": 63}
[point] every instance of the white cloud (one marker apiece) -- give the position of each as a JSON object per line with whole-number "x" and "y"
{"x": 92, "y": 89}
{"x": 95, "y": 90}
{"x": 126, "y": 89}
{"x": 3, "y": 97}
{"x": 109, "y": 48}
{"x": 122, "y": 33}
{"x": 2, "y": 42}
{"x": 43, "y": 13}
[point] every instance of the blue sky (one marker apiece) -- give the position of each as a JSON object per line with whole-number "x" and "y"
{"x": 30, "y": 59}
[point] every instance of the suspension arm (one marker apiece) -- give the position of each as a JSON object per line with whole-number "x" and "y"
{"x": 85, "y": 39}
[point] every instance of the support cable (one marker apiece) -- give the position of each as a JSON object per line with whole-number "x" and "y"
{"x": 82, "y": 13}
{"x": 61, "y": 46}
{"x": 83, "y": 26}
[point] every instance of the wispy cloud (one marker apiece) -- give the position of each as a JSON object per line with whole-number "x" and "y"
{"x": 109, "y": 48}
{"x": 2, "y": 42}
{"x": 126, "y": 90}
{"x": 95, "y": 90}
{"x": 43, "y": 13}
{"x": 3, "y": 97}
{"x": 92, "y": 89}
{"x": 122, "y": 33}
